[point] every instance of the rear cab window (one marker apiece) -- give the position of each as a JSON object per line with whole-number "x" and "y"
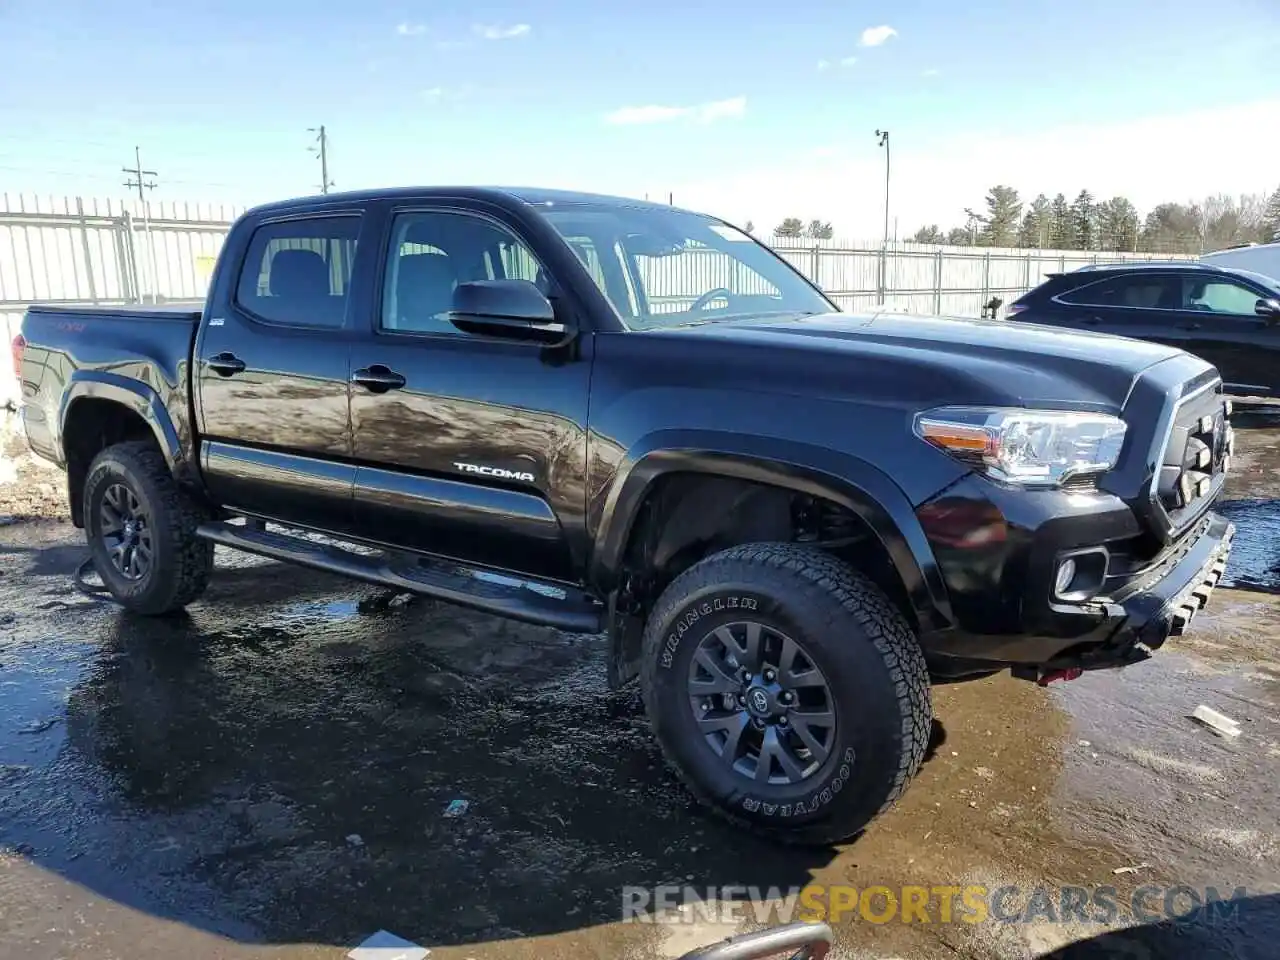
{"x": 298, "y": 272}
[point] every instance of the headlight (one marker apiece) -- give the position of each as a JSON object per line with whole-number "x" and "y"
{"x": 1026, "y": 447}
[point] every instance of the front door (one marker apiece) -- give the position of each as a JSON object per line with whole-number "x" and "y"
{"x": 469, "y": 446}
{"x": 272, "y": 373}
{"x": 1222, "y": 327}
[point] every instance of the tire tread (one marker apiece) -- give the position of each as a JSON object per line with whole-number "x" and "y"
{"x": 189, "y": 571}
{"x": 857, "y": 596}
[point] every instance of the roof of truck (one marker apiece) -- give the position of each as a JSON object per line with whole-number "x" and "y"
{"x": 536, "y": 196}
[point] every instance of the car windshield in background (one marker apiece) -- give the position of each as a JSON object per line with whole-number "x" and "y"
{"x": 668, "y": 268}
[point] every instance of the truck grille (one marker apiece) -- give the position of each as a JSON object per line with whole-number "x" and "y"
{"x": 1195, "y": 457}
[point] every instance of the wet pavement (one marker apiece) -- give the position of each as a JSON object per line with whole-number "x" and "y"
{"x": 269, "y": 775}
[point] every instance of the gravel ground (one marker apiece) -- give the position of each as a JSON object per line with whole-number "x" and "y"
{"x": 268, "y": 776}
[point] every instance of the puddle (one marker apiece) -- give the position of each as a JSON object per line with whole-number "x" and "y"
{"x": 1255, "y": 551}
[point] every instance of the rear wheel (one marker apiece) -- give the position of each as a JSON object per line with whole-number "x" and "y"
{"x": 141, "y": 530}
{"x": 786, "y": 691}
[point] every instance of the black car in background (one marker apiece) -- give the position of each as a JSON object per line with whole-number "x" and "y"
{"x": 1229, "y": 317}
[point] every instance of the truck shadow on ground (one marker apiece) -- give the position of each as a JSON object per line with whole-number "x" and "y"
{"x": 1245, "y": 928}
{"x": 303, "y": 770}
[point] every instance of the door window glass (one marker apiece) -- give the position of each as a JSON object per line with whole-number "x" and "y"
{"x": 1219, "y": 296}
{"x": 431, "y": 253}
{"x": 298, "y": 272}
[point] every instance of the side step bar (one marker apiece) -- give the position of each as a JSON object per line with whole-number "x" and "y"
{"x": 530, "y": 601}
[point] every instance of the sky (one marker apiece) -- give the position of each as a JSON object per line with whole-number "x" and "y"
{"x": 747, "y": 109}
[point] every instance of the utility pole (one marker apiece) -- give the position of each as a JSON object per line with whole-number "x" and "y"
{"x": 140, "y": 182}
{"x": 322, "y": 151}
{"x": 884, "y": 142}
{"x": 884, "y": 245}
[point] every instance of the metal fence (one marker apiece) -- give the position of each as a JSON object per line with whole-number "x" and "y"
{"x": 81, "y": 250}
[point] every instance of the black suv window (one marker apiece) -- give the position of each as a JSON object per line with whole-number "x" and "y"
{"x": 299, "y": 271}
{"x": 1143, "y": 290}
{"x": 1217, "y": 295}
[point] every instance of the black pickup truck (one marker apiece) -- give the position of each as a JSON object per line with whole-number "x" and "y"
{"x": 621, "y": 418}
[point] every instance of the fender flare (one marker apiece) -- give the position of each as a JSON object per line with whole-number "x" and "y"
{"x": 851, "y": 482}
{"x": 131, "y": 394}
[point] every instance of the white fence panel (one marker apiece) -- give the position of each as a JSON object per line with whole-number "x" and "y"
{"x": 85, "y": 250}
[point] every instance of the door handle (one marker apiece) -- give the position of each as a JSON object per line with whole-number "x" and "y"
{"x": 1090, "y": 321}
{"x": 1189, "y": 326}
{"x": 378, "y": 378}
{"x": 225, "y": 364}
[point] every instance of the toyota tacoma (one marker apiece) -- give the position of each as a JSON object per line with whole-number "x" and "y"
{"x": 631, "y": 420}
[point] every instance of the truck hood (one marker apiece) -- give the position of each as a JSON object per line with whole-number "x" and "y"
{"x": 981, "y": 361}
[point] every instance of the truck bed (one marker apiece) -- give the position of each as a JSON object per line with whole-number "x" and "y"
{"x": 75, "y": 353}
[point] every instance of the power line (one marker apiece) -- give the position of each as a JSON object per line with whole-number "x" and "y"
{"x": 139, "y": 174}
{"x": 322, "y": 151}
{"x": 142, "y": 184}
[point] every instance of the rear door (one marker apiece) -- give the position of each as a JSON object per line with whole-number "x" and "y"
{"x": 469, "y": 446}
{"x": 1142, "y": 304}
{"x": 273, "y": 368}
{"x": 1221, "y": 326}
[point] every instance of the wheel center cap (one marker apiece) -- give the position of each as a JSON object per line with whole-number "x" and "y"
{"x": 759, "y": 702}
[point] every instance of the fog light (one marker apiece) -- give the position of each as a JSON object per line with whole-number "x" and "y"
{"x": 1066, "y": 574}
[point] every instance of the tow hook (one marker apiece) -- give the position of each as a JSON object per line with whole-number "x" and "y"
{"x": 1052, "y": 676}
{"x": 1042, "y": 678}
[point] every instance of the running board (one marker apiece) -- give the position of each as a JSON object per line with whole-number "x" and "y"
{"x": 530, "y": 601}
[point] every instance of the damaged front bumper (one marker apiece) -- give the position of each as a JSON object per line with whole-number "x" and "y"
{"x": 1160, "y": 605}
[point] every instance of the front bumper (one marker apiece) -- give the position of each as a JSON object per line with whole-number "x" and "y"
{"x": 1162, "y": 605}
{"x": 997, "y": 552}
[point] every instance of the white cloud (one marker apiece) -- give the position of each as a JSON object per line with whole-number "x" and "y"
{"x": 410, "y": 29}
{"x": 496, "y": 31}
{"x": 703, "y": 112}
{"x": 433, "y": 93}
{"x": 936, "y": 177}
{"x": 824, "y": 64}
{"x": 874, "y": 36}
{"x": 848, "y": 61}
{"x": 931, "y": 72}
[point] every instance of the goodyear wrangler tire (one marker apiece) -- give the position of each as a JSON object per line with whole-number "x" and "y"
{"x": 140, "y": 526}
{"x": 786, "y": 691}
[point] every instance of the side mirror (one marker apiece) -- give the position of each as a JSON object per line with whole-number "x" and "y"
{"x": 510, "y": 309}
{"x": 1268, "y": 310}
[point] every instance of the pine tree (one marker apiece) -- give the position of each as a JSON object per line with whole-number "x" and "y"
{"x": 1060, "y": 226}
{"x": 1271, "y": 219}
{"x": 1117, "y": 224}
{"x": 1000, "y": 224}
{"x": 817, "y": 230}
{"x": 929, "y": 234}
{"x": 1034, "y": 232}
{"x": 790, "y": 227}
{"x": 1084, "y": 214}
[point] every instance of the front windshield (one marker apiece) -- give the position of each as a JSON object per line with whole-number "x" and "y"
{"x": 666, "y": 267}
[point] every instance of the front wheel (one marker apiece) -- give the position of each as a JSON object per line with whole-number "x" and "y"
{"x": 786, "y": 691}
{"x": 141, "y": 530}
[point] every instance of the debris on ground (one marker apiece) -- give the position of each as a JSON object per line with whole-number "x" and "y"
{"x": 355, "y": 840}
{"x": 1131, "y": 869}
{"x": 384, "y": 945}
{"x": 456, "y": 808}
{"x": 40, "y": 726}
{"x": 1219, "y": 723}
